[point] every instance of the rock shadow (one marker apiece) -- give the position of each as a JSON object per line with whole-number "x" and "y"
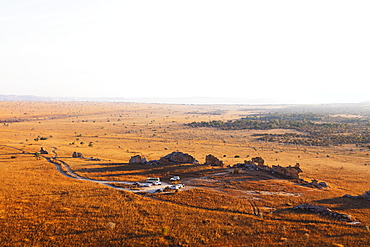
{"x": 343, "y": 203}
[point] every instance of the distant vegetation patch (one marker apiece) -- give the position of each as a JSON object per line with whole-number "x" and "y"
{"x": 215, "y": 112}
{"x": 319, "y": 129}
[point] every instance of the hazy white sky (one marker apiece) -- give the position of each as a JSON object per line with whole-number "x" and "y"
{"x": 290, "y": 51}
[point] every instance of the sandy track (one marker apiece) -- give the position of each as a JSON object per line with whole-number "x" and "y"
{"x": 64, "y": 169}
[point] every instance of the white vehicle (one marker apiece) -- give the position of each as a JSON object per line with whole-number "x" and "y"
{"x": 145, "y": 185}
{"x": 175, "y": 178}
{"x": 153, "y": 180}
{"x": 156, "y": 183}
{"x": 176, "y": 186}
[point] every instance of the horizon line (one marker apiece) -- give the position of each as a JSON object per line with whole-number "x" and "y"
{"x": 199, "y": 100}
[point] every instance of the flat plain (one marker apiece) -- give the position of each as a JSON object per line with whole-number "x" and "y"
{"x": 220, "y": 205}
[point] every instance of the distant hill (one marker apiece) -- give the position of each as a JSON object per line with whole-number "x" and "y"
{"x": 24, "y": 98}
{"x": 172, "y": 100}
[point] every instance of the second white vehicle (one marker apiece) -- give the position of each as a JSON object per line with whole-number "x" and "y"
{"x": 175, "y": 178}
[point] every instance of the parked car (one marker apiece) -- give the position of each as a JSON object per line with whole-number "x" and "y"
{"x": 175, "y": 178}
{"x": 153, "y": 180}
{"x": 156, "y": 183}
{"x": 176, "y": 186}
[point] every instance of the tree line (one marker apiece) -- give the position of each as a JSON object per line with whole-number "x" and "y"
{"x": 318, "y": 129}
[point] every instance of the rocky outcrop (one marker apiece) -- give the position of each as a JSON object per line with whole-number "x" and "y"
{"x": 313, "y": 184}
{"x": 258, "y": 160}
{"x": 365, "y": 196}
{"x": 164, "y": 161}
{"x": 137, "y": 159}
{"x": 290, "y": 171}
{"x": 318, "y": 185}
{"x": 213, "y": 160}
{"x": 257, "y": 163}
{"x": 177, "y": 157}
{"x": 172, "y": 158}
{"x": 77, "y": 155}
{"x": 322, "y": 211}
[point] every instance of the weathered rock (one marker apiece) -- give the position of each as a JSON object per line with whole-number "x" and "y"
{"x": 291, "y": 172}
{"x": 365, "y": 196}
{"x": 312, "y": 208}
{"x": 77, "y": 155}
{"x": 258, "y": 160}
{"x": 137, "y": 159}
{"x": 322, "y": 211}
{"x": 313, "y": 184}
{"x": 257, "y": 163}
{"x": 178, "y": 157}
{"x": 153, "y": 162}
{"x": 164, "y": 161}
{"x": 353, "y": 197}
{"x": 247, "y": 164}
{"x": 212, "y": 160}
{"x": 323, "y": 185}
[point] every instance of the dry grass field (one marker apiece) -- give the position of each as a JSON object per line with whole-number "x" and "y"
{"x": 41, "y": 207}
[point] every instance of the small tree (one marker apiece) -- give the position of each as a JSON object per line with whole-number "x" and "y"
{"x": 38, "y": 155}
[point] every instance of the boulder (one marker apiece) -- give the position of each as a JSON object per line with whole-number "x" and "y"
{"x": 137, "y": 159}
{"x": 212, "y": 160}
{"x": 290, "y": 172}
{"x": 323, "y": 185}
{"x": 153, "y": 162}
{"x": 258, "y": 160}
{"x": 178, "y": 157}
{"x": 312, "y": 208}
{"x": 365, "y": 196}
{"x": 77, "y": 155}
{"x": 164, "y": 161}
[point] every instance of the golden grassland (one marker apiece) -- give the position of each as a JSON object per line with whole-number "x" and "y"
{"x": 41, "y": 207}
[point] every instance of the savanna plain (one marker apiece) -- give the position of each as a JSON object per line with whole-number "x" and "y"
{"x": 49, "y": 198}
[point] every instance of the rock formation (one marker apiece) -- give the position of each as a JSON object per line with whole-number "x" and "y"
{"x": 177, "y": 157}
{"x": 258, "y": 160}
{"x": 257, "y": 163}
{"x": 318, "y": 185}
{"x": 77, "y": 155}
{"x": 137, "y": 159}
{"x": 291, "y": 172}
{"x": 323, "y": 211}
{"x": 365, "y": 196}
{"x": 212, "y": 160}
{"x": 172, "y": 158}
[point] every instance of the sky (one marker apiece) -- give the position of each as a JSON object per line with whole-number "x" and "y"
{"x": 271, "y": 51}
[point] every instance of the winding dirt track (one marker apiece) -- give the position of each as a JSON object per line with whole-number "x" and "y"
{"x": 66, "y": 170}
